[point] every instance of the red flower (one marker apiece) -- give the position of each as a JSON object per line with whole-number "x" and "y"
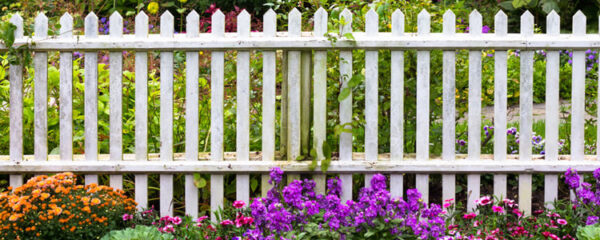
{"x": 469, "y": 215}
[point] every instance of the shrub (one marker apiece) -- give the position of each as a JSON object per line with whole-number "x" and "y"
{"x": 140, "y": 232}
{"x": 589, "y": 232}
{"x": 55, "y": 207}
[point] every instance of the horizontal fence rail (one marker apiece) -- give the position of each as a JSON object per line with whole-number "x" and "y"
{"x": 304, "y": 63}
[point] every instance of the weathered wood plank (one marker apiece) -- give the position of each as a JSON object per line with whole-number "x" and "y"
{"x": 91, "y": 97}
{"x": 422, "y": 136}
{"x": 116, "y": 99}
{"x": 346, "y": 106}
{"x": 397, "y": 108}
{"x": 552, "y": 109}
{"x": 449, "y": 108}
{"x": 166, "y": 115}
{"x": 141, "y": 111}
{"x": 320, "y": 96}
{"x": 578, "y": 91}
{"x": 243, "y": 108}
{"x": 371, "y": 93}
{"x": 293, "y": 91}
{"x": 16, "y": 107}
{"x": 500, "y": 104}
{"x": 474, "y": 115}
{"x": 191, "y": 114}
{"x": 66, "y": 92}
{"x": 40, "y": 112}
{"x": 526, "y": 107}
{"x": 216, "y": 112}
{"x": 268, "y": 98}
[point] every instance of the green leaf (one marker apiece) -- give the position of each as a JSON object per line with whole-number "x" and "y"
{"x": 344, "y": 93}
{"x": 253, "y": 184}
{"x": 199, "y": 181}
{"x": 349, "y": 36}
{"x": 326, "y": 150}
{"x": 520, "y": 3}
{"x": 356, "y": 80}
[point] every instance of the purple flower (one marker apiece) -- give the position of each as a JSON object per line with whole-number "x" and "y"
{"x": 334, "y": 186}
{"x": 485, "y": 29}
{"x": 591, "y": 220}
{"x": 572, "y": 178}
{"x": 276, "y": 176}
{"x": 378, "y": 182}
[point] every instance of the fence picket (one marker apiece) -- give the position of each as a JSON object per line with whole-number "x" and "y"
{"x": 449, "y": 108}
{"x": 552, "y": 109}
{"x": 216, "y": 112}
{"x": 66, "y": 92}
{"x": 320, "y": 96}
{"x": 16, "y": 107}
{"x": 500, "y": 107}
{"x": 141, "y": 111}
{"x": 578, "y": 101}
{"x": 91, "y": 97}
{"x": 166, "y": 115}
{"x": 40, "y": 63}
{"x": 371, "y": 93}
{"x": 474, "y": 116}
{"x": 243, "y": 108}
{"x": 345, "y": 147}
{"x": 397, "y": 108}
{"x": 294, "y": 78}
{"x": 423, "y": 61}
{"x": 116, "y": 95}
{"x": 269, "y": 94}
{"x": 526, "y": 106}
{"x": 191, "y": 115}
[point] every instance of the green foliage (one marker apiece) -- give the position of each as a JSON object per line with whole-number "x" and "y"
{"x": 590, "y": 232}
{"x": 140, "y": 232}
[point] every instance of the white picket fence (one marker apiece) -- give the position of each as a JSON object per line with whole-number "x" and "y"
{"x": 300, "y": 46}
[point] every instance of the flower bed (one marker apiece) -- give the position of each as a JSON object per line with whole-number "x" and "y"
{"x": 54, "y": 207}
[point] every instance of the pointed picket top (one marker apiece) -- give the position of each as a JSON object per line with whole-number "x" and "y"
{"x": 423, "y": 22}
{"x": 116, "y": 25}
{"x": 141, "y": 25}
{"x": 320, "y": 22}
{"x": 475, "y": 25}
{"x": 527, "y": 24}
{"x": 346, "y": 15}
{"x": 553, "y": 23}
{"x": 166, "y": 24}
{"x": 294, "y": 23}
{"x": 243, "y": 24}
{"x": 270, "y": 23}
{"x": 17, "y": 20}
{"x": 192, "y": 21}
{"x": 371, "y": 22}
{"x": 66, "y": 26}
{"x": 41, "y": 26}
{"x": 501, "y": 23}
{"x": 397, "y": 23}
{"x": 579, "y": 23}
{"x": 449, "y": 22}
{"x": 218, "y": 23}
{"x": 91, "y": 25}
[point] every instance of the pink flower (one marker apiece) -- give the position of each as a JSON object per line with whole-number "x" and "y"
{"x": 176, "y": 220}
{"x": 469, "y": 215}
{"x": 226, "y": 222}
{"x": 447, "y": 205}
{"x": 239, "y": 204}
{"x": 127, "y": 217}
{"x": 200, "y": 219}
{"x": 483, "y": 201}
{"x": 498, "y": 209}
{"x": 561, "y": 221}
{"x": 509, "y": 202}
{"x": 517, "y": 212}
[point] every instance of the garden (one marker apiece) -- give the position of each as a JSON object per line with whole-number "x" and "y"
{"x": 60, "y": 206}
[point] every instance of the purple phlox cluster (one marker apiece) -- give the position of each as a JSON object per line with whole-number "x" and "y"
{"x": 287, "y": 208}
{"x": 572, "y": 178}
{"x": 590, "y": 59}
{"x": 487, "y": 129}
